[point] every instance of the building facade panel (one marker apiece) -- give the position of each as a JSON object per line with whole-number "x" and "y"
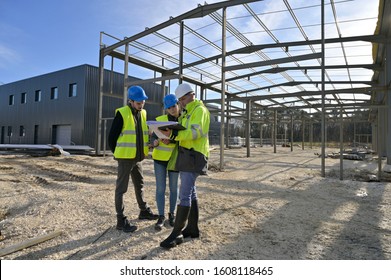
{"x": 39, "y": 104}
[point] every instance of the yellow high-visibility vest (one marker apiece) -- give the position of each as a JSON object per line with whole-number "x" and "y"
{"x": 163, "y": 152}
{"x": 126, "y": 143}
{"x": 196, "y": 119}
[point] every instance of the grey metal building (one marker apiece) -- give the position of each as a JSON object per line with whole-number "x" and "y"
{"x": 61, "y": 107}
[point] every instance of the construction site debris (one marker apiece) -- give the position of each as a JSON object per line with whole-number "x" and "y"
{"x": 28, "y": 243}
{"x": 37, "y": 150}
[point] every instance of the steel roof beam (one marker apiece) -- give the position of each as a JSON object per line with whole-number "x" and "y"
{"x": 295, "y": 83}
{"x": 276, "y": 70}
{"x": 200, "y": 11}
{"x": 254, "y": 48}
{"x": 273, "y": 61}
{"x": 363, "y": 90}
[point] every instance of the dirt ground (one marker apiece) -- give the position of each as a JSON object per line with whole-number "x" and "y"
{"x": 274, "y": 206}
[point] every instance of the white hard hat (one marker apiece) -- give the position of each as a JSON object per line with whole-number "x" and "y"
{"x": 182, "y": 90}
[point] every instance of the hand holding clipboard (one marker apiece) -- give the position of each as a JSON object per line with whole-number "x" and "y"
{"x": 161, "y": 129}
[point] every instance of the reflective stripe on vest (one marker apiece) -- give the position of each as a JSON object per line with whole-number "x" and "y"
{"x": 163, "y": 152}
{"x": 196, "y": 119}
{"x": 126, "y": 142}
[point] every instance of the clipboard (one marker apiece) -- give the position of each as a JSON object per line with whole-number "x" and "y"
{"x": 155, "y": 126}
{"x": 177, "y": 126}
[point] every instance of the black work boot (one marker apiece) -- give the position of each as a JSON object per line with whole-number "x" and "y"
{"x": 191, "y": 229}
{"x": 124, "y": 224}
{"x": 171, "y": 219}
{"x": 160, "y": 223}
{"x": 147, "y": 215}
{"x": 176, "y": 238}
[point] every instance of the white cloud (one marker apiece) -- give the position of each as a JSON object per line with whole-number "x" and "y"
{"x": 7, "y": 56}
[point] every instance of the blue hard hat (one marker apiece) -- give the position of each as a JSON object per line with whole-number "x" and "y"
{"x": 137, "y": 93}
{"x": 169, "y": 101}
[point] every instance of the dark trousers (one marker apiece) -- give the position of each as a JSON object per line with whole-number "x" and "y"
{"x": 129, "y": 168}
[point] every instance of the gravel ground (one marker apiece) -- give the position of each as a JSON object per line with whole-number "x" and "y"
{"x": 272, "y": 206}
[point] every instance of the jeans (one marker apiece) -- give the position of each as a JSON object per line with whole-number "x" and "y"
{"x": 187, "y": 191}
{"x": 161, "y": 175}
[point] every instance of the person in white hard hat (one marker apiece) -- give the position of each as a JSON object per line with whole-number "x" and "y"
{"x": 192, "y": 161}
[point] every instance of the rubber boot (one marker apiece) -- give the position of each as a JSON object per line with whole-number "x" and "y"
{"x": 175, "y": 238}
{"x": 191, "y": 229}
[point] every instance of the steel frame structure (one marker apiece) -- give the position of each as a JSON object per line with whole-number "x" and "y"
{"x": 245, "y": 78}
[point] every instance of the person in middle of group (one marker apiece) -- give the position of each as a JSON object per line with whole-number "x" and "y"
{"x": 161, "y": 154}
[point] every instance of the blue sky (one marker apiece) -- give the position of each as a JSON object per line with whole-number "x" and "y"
{"x": 42, "y": 36}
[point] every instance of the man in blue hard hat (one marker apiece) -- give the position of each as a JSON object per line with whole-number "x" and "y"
{"x": 128, "y": 140}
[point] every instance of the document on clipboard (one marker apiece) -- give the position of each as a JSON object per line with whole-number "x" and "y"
{"x": 154, "y": 126}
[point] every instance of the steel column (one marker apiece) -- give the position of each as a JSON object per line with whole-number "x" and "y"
{"x": 323, "y": 126}
{"x": 223, "y": 52}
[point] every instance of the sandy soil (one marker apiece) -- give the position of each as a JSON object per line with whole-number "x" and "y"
{"x": 268, "y": 206}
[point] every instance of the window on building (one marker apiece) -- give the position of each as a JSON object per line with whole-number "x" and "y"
{"x": 23, "y": 98}
{"x": 38, "y": 95}
{"x": 72, "y": 90}
{"x": 9, "y": 134}
{"x": 54, "y": 93}
{"x": 11, "y": 100}
{"x": 22, "y": 131}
